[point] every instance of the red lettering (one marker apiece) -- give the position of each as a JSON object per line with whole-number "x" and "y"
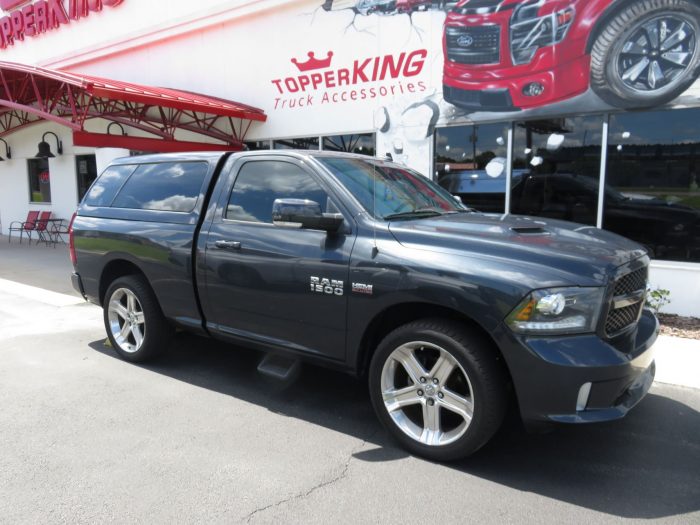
{"x": 392, "y": 67}
{"x": 6, "y": 31}
{"x": 291, "y": 84}
{"x": 316, "y": 79}
{"x": 41, "y": 16}
{"x": 414, "y": 63}
{"x": 112, "y": 3}
{"x": 358, "y": 71}
{"x": 330, "y": 79}
{"x": 57, "y": 14}
{"x": 303, "y": 82}
{"x": 278, "y": 83}
{"x": 17, "y": 25}
{"x": 28, "y": 13}
{"x": 343, "y": 77}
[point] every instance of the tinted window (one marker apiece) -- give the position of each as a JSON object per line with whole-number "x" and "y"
{"x": 106, "y": 187}
{"x": 299, "y": 143}
{"x": 259, "y": 183}
{"x": 386, "y": 189}
{"x": 559, "y": 162}
{"x": 653, "y": 175}
{"x": 169, "y": 186}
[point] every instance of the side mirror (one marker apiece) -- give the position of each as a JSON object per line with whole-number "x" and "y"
{"x": 302, "y": 213}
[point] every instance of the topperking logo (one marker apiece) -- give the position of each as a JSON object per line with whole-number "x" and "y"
{"x": 317, "y": 82}
{"x": 23, "y": 18}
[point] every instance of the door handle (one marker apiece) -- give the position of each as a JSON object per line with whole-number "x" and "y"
{"x": 228, "y": 245}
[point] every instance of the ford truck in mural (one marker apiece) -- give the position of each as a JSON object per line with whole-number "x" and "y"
{"x": 362, "y": 265}
{"x": 505, "y": 55}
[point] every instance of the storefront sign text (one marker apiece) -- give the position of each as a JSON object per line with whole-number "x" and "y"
{"x": 368, "y": 78}
{"x": 42, "y": 16}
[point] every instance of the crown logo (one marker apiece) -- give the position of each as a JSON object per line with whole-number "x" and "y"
{"x": 313, "y": 63}
{"x": 6, "y": 5}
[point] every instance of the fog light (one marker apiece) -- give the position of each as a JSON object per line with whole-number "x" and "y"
{"x": 533, "y": 89}
{"x": 583, "y": 393}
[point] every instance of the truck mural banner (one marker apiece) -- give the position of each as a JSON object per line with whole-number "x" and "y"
{"x": 486, "y": 60}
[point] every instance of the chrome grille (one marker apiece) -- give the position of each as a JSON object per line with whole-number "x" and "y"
{"x": 629, "y": 294}
{"x": 473, "y": 45}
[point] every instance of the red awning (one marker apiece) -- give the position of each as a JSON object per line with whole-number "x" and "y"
{"x": 31, "y": 94}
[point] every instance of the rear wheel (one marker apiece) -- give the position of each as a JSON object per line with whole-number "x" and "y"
{"x": 438, "y": 389}
{"x": 648, "y": 54}
{"x": 133, "y": 319}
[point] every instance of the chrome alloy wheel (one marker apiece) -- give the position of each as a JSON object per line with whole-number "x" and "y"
{"x": 427, "y": 393}
{"x": 126, "y": 320}
{"x": 657, "y": 53}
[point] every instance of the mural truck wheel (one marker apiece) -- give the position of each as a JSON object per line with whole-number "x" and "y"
{"x": 647, "y": 54}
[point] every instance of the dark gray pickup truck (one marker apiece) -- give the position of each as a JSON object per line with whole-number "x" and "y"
{"x": 365, "y": 266}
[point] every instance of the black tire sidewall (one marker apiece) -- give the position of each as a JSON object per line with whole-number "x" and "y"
{"x": 606, "y": 82}
{"x": 156, "y": 327}
{"x": 485, "y": 377}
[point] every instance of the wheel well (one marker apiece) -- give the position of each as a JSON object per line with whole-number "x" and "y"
{"x": 115, "y": 270}
{"x": 609, "y": 14}
{"x": 398, "y": 315}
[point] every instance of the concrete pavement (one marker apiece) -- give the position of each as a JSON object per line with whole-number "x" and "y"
{"x": 198, "y": 436}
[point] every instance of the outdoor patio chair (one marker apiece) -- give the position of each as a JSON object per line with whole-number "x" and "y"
{"x": 27, "y": 227}
{"x": 41, "y": 227}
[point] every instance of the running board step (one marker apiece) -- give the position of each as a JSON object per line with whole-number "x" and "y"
{"x": 279, "y": 367}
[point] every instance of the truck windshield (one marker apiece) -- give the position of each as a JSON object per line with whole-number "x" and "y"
{"x": 391, "y": 192}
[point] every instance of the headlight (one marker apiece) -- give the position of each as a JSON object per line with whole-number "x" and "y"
{"x": 529, "y": 31}
{"x": 557, "y": 311}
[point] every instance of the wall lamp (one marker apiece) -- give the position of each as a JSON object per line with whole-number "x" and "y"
{"x": 116, "y": 124}
{"x": 8, "y": 150}
{"x": 45, "y": 148}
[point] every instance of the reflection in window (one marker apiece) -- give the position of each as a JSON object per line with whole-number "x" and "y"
{"x": 654, "y": 173}
{"x": 259, "y": 183}
{"x": 556, "y": 168}
{"x": 362, "y": 144}
{"x": 86, "y": 168}
{"x": 167, "y": 186}
{"x": 298, "y": 143}
{"x": 471, "y": 162}
{"x": 107, "y": 185}
{"x": 257, "y": 145}
{"x": 39, "y": 180}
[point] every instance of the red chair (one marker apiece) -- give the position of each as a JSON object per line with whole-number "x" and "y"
{"x": 41, "y": 227}
{"x": 27, "y": 227}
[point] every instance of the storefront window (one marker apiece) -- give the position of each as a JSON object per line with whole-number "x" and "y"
{"x": 362, "y": 144}
{"x": 39, "y": 180}
{"x": 556, "y": 168}
{"x": 470, "y": 161}
{"x": 86, "y": 168}
{"x": 653, "y": 170}
{"x": 257, "y": 145}
{"x": 299, "y": 143}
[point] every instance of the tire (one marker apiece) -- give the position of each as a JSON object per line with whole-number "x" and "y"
{"x": 626, "y": 59}
{"x": 431, "y": 419}
{"x": 133, "y": 319}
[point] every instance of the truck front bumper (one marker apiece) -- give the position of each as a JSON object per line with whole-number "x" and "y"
{"x": 583, "y": 378}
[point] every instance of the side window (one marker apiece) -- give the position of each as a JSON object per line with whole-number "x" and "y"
{"x": 104, "y": 189}
{"x": 167, "y": 186}
{"x": 259, "y": 183}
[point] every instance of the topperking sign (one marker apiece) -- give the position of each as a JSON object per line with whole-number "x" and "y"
{"x": 24, "y": 19}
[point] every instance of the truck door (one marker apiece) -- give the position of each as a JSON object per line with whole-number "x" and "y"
{"x": 274, "y": 284}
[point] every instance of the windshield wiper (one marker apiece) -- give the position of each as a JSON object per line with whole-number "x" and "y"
{"x": 419, "y": 213}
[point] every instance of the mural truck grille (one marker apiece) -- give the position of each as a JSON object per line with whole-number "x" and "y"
{"x": 473, "y": 45}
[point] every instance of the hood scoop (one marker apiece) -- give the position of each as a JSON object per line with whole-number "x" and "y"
{"x": 529, "y": 230}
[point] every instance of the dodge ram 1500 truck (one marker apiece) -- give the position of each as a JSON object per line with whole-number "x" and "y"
{"x": 366, "y": 266}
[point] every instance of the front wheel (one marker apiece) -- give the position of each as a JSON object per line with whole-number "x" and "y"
{"x": 438, "y": 389}
{"x": 135, "y": 324}
{"x": 648, "y": 54}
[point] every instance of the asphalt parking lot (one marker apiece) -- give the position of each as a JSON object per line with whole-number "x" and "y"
{"x": 199, "y": 436}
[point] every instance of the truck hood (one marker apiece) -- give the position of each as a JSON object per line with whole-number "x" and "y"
{"x": 579, "y": 254}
